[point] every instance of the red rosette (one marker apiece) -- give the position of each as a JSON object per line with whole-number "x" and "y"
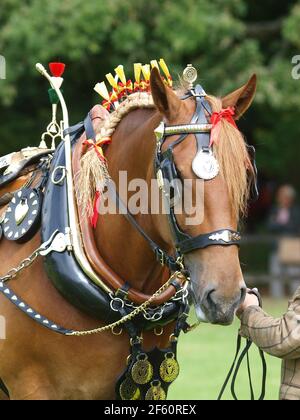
{"x": 57, "y": 69}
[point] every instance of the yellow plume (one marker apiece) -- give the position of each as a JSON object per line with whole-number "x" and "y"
{"x": 112, "y": 81}
{"x": 120, "y": 72}
{"x": 101, "y": 89}
{"x": 154, "y": 63}
{"x": 165, "y": 69}
{"x": 146, "y": 72}
{"x": 137, "y": 72}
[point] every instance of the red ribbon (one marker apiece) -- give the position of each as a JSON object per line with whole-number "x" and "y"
{"x": 95, "y": 217}
{"x": 124, "y": 90}
{"x": 145, "y": 86}
{"x": 216, "y": 119}
{"x": 113, "y": 97}
{"x": 97, "y": 146}
{"x": 91, "y": 144}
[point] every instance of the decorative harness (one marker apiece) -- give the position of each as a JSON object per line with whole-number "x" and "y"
{"x": 148, "y": 374}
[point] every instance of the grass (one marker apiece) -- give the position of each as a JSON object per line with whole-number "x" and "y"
{"x": 206, "y": 354}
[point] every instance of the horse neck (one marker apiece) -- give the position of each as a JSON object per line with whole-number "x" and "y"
{"x": 121, "y": 245}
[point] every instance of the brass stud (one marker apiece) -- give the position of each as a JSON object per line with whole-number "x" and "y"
{"x": 158, "y": 331}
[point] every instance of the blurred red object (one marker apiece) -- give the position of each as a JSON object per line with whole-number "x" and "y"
{"x": 57, "y": 69}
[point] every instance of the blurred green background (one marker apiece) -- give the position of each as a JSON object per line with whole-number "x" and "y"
{"x": 226, "y": 41}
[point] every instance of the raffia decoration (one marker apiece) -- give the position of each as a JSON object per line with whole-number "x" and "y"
{"x": 93, "y": 177}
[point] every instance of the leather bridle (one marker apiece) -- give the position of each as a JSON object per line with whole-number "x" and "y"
{"x": 165, "y": 170}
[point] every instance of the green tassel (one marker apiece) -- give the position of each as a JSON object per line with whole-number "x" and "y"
{"x": 54, "y": 99}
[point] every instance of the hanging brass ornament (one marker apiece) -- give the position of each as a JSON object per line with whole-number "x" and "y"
{"x": 205, "y": 165}
{"x": 169, "y": 368}
{"x": 156, "y": 392}
{"x": 190, "y": 75}
{"x": 142, "y": 370}
{"x": 129, "y": 390}
{"x": 21, "y": 211}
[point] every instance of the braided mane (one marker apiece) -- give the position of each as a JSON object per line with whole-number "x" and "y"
{"x": 93, "y": 176}
{"x": 137, "y": 100}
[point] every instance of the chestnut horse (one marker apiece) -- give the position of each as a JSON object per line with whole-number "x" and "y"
{"x": 37, "y": 364}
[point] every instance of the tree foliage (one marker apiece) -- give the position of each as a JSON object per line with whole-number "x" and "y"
{"x": 227, "y": 41}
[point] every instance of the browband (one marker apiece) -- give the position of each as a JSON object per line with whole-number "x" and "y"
{"x": 187, "y": 129}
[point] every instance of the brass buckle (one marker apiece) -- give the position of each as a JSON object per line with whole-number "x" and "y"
{"x": 161, "y": 257}
{"x": 136, "y": 340}
{"x": 179, "y": 262}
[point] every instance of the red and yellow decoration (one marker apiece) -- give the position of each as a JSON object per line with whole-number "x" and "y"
{"x": 93, "y": 162}
{"x": 101, "y": 164}
{"x": 98, "y": 147}
{"x": 122, "y": 88}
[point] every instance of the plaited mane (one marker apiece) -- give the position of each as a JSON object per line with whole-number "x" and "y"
{"x": 94, "y": 174}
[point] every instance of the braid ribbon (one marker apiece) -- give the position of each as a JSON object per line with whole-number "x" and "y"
{"x": 95, "y": 216}
{"x": 216, "y": 119}
{"x": 98, "y": 147}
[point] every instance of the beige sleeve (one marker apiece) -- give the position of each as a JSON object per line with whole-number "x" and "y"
{"x": 279, "y": 337}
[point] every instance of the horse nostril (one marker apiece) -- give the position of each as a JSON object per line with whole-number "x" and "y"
{"x": 243, "y": 294}
{"x": 208, "y": 297}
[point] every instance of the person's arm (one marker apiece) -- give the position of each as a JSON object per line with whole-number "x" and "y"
{"x": 280, "y": 337}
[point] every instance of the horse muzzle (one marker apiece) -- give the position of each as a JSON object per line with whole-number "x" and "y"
{"x": 216, "y": 309}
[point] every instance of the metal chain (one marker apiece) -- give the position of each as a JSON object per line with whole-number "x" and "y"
{"x": 156, "y": 314}
{"x": 133, "y": 314}
{"x": 24, "y": 264}
{"x": 27, "y": 262}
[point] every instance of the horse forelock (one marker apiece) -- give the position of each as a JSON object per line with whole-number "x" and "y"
{"x": 235, "y": 163}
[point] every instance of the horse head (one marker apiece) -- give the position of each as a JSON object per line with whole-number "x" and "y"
{"x": 217, "y": 281}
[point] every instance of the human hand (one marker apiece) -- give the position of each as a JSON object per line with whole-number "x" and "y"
{"x": 250, "y": 300}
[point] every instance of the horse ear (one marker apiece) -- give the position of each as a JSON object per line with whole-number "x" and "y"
{"x": 242, "y": 98}
{"x": 164, "y": 98}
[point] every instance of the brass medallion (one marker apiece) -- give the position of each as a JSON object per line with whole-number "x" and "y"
{"x": 205, "y": 165}
{"x": 129, "y": 390}
{"x": 156, "y": 392}
{"x": 169, "y": 369}
{"x": 21, "y": 211}
{"x": 142, "y": 370}
{"x": 190, "y": 75}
